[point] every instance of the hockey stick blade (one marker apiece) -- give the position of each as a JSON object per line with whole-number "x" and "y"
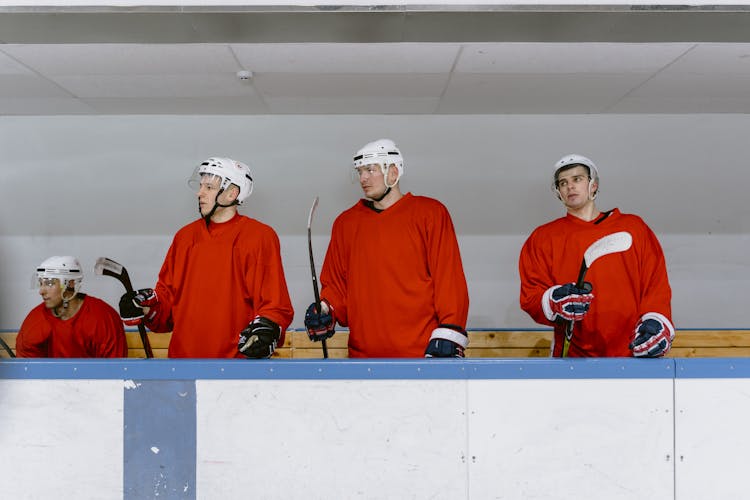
{"x": 108, "y": 267}
{"x": 312, "y": 267}
{"x": 612, "y": 243}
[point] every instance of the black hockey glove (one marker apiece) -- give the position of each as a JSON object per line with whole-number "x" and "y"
{"x": 132, "y": 304}
{"x": 447, "y": 341}
{"x": 320, "y": 325}
{"x": 258, "y": 340}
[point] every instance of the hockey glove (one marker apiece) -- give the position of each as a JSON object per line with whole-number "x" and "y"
{"x": 259, "y": 339}
{"x": 447, "y": 341}
{"x": 132, "y": 304}
{"x": 653, "y": 336}
{"x": 567, "y": 301}
{"x": 321, "y": 324}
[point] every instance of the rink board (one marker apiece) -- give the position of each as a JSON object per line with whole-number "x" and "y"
{"x": 491, "y": 428}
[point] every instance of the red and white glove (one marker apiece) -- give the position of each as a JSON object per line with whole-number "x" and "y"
{"x": 654, "y": 334}
{"x": 132, "y": 304}
{"x": 567, "y": 301}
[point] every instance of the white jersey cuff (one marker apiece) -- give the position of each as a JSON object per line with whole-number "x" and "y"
{"x": 546, "y": 299}
{"x": 452, "y": 335}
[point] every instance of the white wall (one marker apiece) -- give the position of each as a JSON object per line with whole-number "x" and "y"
{"x": 115, "y": 186}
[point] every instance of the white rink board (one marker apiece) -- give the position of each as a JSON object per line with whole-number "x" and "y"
{"x": 713, "y": 436}
{"x": 61, "y": 439}
{"x": 301, "y": 439}
{"x": 571, "y": 439}
{"x": 594, "y": 429}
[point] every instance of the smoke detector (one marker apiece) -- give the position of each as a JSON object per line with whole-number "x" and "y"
{"x": 244, "y": 75}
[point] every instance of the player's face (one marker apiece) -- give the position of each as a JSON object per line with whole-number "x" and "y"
{"x": 371, "y": 180}
{"x": 50, "y": 291}
{"x": 207, "y": 191}
{"x": 573, "y": 185}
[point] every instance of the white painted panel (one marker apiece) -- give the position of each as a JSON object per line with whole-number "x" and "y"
{"x": 571, "y": 439}
{"x": 61, "y": 439}
{"x": 331, "y": 439}
{"x": 567, "y": 58}
{"x": 713, "y": 437}
{"x": 347, "y": 58}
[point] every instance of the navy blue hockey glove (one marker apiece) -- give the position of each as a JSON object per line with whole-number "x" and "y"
{"x": 567, "y": 301}
{"x": 447, "y": 341}
{"x": 259, "y": 339}
{"x": 320, "y": 325}
{"x": 132, "y": 304}
{"x": 653, "y": 336}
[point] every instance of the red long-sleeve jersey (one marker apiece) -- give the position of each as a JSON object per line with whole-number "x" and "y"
{"x": 393, "y": 276}
{"x": 95, "y": 331}
{"x": 626, "y": 284}
{"x": 214, "y": 281}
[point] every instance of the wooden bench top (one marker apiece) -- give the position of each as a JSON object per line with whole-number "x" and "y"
{"x": 482, "y": 344}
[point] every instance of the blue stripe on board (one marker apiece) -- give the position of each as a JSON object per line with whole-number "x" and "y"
{"x": 343, "y": 369}
{"x": 159, "y": 436}
{"x": 713, "y": 368}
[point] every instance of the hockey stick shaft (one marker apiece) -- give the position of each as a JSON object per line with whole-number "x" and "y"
{"x": 569, "y": 324}
{"x": 312, "y": 267}
{"x": 7, "y": 348}
{"x": 107, "y": 267}
{"x": 612, "y": 243}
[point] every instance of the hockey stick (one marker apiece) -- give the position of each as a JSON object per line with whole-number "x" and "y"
{"x": 108, "y": 267}
{"x": 312, "y": 267}
{"x": 7, "y": 348}
{"x": 612, "y": 243}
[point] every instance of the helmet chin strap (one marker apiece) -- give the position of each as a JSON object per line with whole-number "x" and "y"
{"x": 207, "y": 217}
{"x": 385, "y": 193}
{"x": 65, "y": 303}
{"x": 388, "y": 188}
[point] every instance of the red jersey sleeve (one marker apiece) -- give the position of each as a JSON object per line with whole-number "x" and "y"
{"x": 444, "y": 257}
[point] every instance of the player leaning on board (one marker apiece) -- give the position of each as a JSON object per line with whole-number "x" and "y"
{"x": 623, "y": 306}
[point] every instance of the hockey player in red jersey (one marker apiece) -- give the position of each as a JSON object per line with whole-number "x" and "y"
{"x": 393, "y": 271}
{"x": 624, "y": 309}
{"x": 221, "y": 290}
{"x": 68, "y": 323}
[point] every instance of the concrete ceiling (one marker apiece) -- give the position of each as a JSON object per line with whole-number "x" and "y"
{"x": 478, "y": 60}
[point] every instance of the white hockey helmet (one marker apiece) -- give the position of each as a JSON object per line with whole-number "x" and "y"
{"x": 574, "y": 159}
{"x": 382, "y": 152}
{"x": 65, "y": 268}
{"x": 230, "y": 171}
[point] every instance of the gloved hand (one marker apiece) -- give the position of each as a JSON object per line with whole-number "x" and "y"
{"x": 259, "y": 338}
{"x": 567, "y": 301}
{"x": 654, "y": 334}
{"x": 447, "y": 341}
{"x": 132, "y": 304}
{"x": 321, "y": 324}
